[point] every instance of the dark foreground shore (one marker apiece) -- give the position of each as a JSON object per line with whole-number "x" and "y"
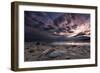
{"x": 35, "y": 51}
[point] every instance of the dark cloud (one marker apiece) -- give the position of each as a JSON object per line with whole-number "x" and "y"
{"x": 40, "y": 26}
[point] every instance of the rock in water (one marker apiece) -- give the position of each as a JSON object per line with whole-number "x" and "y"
{"x": 56, "y": 54}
